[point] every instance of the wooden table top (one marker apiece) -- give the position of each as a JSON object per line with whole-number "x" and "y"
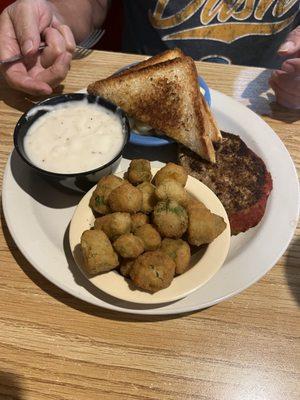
{"x": 54, "y": 346}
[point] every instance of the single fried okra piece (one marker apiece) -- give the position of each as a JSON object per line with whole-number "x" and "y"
{"x": 171, "y": 171}
{"x": 98, "y": 201}
{"x": 150, "y": 237}
{"x": 153, "y": 271}
{"x": 170, "y": 219}
{"x": 179, "y": 251}
{"x": 129, "y": 246}
{"x": 139, "y": 171}
{"x": 125, "y": 198}
{"x": 98, "y": 253}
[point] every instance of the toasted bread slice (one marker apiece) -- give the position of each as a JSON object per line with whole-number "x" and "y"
{"x": 165, "y": 96}
{"x": 158, "y": 58}
{"x": 167, "y": 55}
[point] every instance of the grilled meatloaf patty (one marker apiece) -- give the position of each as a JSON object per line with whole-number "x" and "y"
{"x": 239, "y": 178}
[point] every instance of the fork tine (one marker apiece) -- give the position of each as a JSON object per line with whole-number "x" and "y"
{"x": 84, "y": 48}
{"x": 92, "y": 39}
{"x": 81, "y": 53}
{"x": 86, "y": 40}
{"x": 98, "y": 35}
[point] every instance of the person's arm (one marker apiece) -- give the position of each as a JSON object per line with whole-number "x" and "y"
{"x": 24, "y": 22}
{"x": 81, "y": 16}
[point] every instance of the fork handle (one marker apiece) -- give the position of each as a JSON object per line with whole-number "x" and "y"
{"x": 19, "y": 57}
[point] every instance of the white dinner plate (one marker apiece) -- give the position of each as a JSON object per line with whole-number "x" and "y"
{"x": 205, "y": 264}
{"x": 38, "y": 216}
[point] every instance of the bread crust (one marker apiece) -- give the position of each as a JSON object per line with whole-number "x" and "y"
{"x": 158, "y": 58}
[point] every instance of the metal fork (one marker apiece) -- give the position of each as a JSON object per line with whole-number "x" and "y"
{"x": 82, "y": 50}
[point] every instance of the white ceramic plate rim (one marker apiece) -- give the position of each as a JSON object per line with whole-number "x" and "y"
{"x": 115, "y": 285}
{"x": 230, "y": 280}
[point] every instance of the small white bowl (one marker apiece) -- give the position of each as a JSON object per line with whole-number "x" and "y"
{"x": 205, "y": 264}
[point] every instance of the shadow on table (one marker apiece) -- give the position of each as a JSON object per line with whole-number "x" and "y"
{"x": 292, "y": 270}
{"x": 10, "y": 386}
{"x": 255, "y": 93}
{"x": 72, "y": 301}
{"x": 284, "y": 114}
{"x": 263, "y": 102}
{"x": 21, "y": 101}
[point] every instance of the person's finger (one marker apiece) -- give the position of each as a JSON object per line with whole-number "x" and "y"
{"x": 68, "y": 36}
{"x": 291, "y": 45}
{"x": 17, "y": 74}
{"x": 292, "y": 66}
{"x": 287, "y": 82}
{"x": 8, "y": 43}
{"x": 18, "y": 78}
{"x": 25, "y": 19}
{"x": 57, "y": 72}
{"x": 56, "y": 46}
{"x": 283, "y": 97}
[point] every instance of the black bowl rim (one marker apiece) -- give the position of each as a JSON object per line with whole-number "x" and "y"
{"x": 71, "y": 96}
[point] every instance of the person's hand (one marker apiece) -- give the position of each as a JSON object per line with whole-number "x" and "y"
{"x": 21, "y": 26}
{"x": 286, "y": 81}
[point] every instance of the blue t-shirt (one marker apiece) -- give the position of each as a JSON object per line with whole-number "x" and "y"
{"x": 244, "y": 32}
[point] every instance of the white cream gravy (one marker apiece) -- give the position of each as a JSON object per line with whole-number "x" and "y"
{"x": 74, "y": 137}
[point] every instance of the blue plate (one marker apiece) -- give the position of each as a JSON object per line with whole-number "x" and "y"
{"x": 147, "y": 140}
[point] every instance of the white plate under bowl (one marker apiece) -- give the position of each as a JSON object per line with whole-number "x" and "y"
{"x": 38, "y": 215}
{"x": 205, "y": 265}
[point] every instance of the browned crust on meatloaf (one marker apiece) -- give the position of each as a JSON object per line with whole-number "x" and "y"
{"x": 239, "y": 178}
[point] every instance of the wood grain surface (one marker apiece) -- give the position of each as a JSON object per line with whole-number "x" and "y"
{"x": 56, "y": 347}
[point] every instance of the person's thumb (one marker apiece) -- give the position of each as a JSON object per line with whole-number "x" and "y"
{"x": 291, "y": 46}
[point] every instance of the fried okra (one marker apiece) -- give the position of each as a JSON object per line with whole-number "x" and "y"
{"x": 129, "y": 246}
{"x": 171, "y": 172}
{"x": 204, "y": 226}
{"x": 125, "y": 266}
{"x": 152, "y": 271}
{"x": 114, "y": 225}
{"x": 98, "y": 253}
{"x": 172, "y": 190}
{"x": 170, "y": 219}
{"x": 137, "y": 220}
{"x": 139, "y": 171}
{"x": 98, "y": 201}
{"x": 192, "y": 202}
{"x": 150, "y": 237}
{"x": 179, "y": 251}
{"x": 125, "y": 198}
{"x": 149, "y": 199}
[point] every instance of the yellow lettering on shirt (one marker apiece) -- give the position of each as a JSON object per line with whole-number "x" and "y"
{"x": 225, "y": 31}
{"x": 230, "y": 32}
